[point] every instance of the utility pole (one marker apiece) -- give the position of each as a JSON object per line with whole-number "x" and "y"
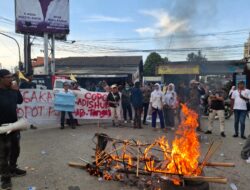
{"x": 46, "y": 60}
{"x": 27, "y": 54}
{"x": 53, "y": 55}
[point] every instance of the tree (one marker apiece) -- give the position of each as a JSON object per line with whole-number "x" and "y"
{"x": 153, "y": 60}
{"x": 197, "y": 58}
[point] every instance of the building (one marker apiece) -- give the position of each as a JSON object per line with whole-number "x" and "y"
{"x": 111, "y": 68}
{"x": 184, "y": 71}
{"x": 247, "y": 49}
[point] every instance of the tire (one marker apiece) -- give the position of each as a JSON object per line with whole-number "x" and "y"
{"x": 228, "y": 112}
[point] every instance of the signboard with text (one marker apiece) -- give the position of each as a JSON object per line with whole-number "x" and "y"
{"x": 180, "y": 69}
{"x": 38, "y": 106}
{"x": 37, "y": 17}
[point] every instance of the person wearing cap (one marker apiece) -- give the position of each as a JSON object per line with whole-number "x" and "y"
{"x": 66, "y": 90}
{"x": 194, "y": 99}
{"x": 240, "y": 98}
{"x": 28, "y": 85}
{"x": 10, "y": 96}
{"x": 114, "y": 104}
{"x": 156, "y": 105}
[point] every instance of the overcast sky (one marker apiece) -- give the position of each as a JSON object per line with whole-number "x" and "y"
{"x": 100, "y": 26}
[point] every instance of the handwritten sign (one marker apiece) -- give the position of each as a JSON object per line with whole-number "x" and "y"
{"x": 38, "y": 106}
{"x": 64, "y": 102}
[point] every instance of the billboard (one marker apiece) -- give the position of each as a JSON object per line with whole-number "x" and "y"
{"x": 37, "y": 17}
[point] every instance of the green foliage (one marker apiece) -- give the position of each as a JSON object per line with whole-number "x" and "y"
{"x": 153, "y": 60}
{"x": 196, "y": 58}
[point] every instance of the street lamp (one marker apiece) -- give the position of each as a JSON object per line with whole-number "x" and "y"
{"x": 19, "y": 53}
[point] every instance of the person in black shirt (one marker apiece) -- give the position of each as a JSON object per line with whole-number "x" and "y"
{"x": 216, "y": 100}
{"x": 114, "y": 100}
{"x": 10, "y": 96}
{"x": 29, "y": 85}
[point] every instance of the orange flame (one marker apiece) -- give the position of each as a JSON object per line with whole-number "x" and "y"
{"x": 107, "y": 176}
{"x": 183, "y": 157}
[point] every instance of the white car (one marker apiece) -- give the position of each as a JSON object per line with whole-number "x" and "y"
{"x": 58, "y": 85}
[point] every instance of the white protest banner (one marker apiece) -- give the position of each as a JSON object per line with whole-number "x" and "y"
{"x": 38, "y": 106}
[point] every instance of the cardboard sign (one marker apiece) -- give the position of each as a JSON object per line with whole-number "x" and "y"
{"x": 64, "y": 102}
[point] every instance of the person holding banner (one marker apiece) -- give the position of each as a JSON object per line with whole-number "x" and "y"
{"x": 68, "y": 92}
{"x": 114, "y": 104}
{"x": 10, "y": 96}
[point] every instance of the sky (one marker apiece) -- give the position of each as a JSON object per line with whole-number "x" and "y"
{"x": 173, "y": 28}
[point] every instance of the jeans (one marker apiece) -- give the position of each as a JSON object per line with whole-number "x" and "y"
{"x": 154, "y": 116}
{"x": 71, "y": 119}
{"x": 145, "y": 111}
{"x": 137, "y": 118}
{"x": 240, "y": 117}
{"x": 127, "y": 107}
{"x": 9, "y": 152}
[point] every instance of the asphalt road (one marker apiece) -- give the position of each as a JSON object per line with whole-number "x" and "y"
{"x": 45, "y": 153}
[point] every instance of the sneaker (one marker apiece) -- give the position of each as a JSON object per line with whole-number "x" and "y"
{"x": 243, "y": 137}
{"x": 73, "y": 127}
{"x": 222, "y": 134}
{"x": 62, "y": 127}
{"x": 235, "y": 135}
{"x": 144, "y": 123}
{"x": 18, "y": 172}
{"x": 33, "y": 127}
{"x": 208, "y": 132}
{"x": 6, "y": 183}
{"x": 125, "y": 121}
{"x": 132, "y": 121}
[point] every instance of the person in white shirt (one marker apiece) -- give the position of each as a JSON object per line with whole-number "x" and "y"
{"x": 169, "y": 100}
{"x": 114, "y": 101}
{"x": 66, "y": 90}
{"x": 156, "y": 105}
{"x": 240, "y": 98}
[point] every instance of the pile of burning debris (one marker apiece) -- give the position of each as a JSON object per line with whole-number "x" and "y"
{"x": 156, "y": 165}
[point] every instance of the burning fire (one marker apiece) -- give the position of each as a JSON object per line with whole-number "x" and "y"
{"x": 183, "y": 157}
{"x": 186, "y": 147}
{"x": 179, "y": 159}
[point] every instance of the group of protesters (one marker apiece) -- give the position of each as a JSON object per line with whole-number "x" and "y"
{"x": 151, "y": 99}
{"x": 124, "y": 100}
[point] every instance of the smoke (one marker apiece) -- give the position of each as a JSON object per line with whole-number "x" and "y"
{"x": 165, "y": 25}
{"x": 195, "y": 11}
{"x": 200, "y": 17}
